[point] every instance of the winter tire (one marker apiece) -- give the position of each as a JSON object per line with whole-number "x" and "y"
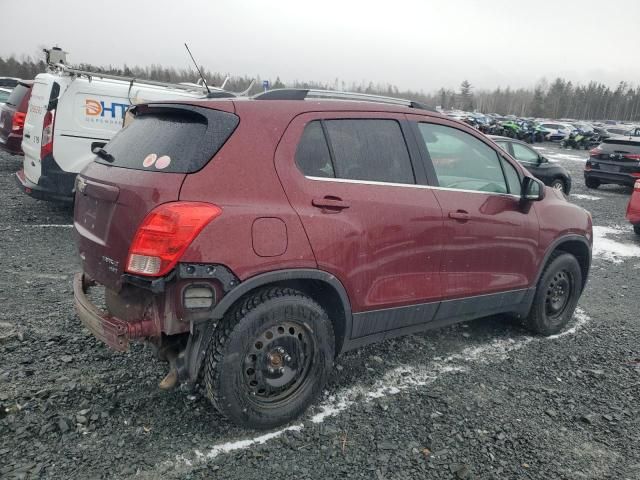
{"x": 557, "y": 295}
{"x": 269, "y": 359}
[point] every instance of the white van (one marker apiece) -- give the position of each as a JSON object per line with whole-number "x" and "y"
{"x": 71, "y": 113}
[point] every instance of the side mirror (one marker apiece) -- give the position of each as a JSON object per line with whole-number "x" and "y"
{"x": 532, "y": 190}
{"x": 542, "y": 159}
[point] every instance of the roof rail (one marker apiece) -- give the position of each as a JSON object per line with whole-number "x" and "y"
{"x": 304, "y": 93}
{"x": 215, "y": 93}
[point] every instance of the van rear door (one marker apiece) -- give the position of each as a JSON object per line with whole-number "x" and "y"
{"x": 44, "y": 98}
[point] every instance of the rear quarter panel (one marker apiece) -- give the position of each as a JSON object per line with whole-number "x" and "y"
{"x": 242, "y": 180}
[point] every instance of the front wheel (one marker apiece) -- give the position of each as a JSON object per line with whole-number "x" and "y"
{"x": 556, "y": 296}
{"x": 270, "y": 358}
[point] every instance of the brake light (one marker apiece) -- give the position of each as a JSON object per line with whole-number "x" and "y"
{"x": 18, "y": 121}
{"x": 46, "y": 141}
{"x": 595, "y": 151}
{"x": 165, "y": 234}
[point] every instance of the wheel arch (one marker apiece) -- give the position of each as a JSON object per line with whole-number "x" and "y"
{"x": 319, "y": 285}
{"x": 577, "y": 246}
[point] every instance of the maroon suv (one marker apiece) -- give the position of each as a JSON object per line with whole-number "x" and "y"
{"x": 12, "y": 116}
{"x": 252, "y": 240}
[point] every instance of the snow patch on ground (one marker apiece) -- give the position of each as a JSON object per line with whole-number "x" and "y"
{"x": 612, "y": 250}
{"x": 566, "y": 156}
{"x": 395, "y": 381}
{"x": 582, "y": 196}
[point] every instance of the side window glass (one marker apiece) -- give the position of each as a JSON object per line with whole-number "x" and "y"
{"x": 312, "y": 154}
{"x": 513, "y": 179}
{"x": 373, "y": 150}
{"x": 462, "y": 161}
{"x": 504, "y": 146}
{"x": 524, "y": 154}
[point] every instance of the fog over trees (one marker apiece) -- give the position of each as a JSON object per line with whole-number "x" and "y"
{"x": 559, "y": 98}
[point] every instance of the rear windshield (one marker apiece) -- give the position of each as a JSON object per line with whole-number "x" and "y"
{"x": 622, "y": 145}
{"x": 17, "y": 95}
{"x": 174, "y": 140}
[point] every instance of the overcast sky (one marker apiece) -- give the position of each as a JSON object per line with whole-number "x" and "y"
{"x": 420, "y": 45}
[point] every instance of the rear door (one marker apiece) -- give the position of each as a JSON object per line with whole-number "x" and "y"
{"x": 491, "y": 240}
{"x": 369, "y": 217}
{"x": 44, "y": 98}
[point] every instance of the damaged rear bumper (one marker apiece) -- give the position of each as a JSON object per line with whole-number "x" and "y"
{"x": 116, "y": 333}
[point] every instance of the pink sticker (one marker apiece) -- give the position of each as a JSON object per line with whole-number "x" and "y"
{"x": 163, "y": 162}
{"x": 149, "y": 160}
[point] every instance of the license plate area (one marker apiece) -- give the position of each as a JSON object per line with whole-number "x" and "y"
{"x": 605, "y": 167}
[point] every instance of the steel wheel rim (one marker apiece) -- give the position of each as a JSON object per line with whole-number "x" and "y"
{"x": 558, "y": 294}
{"x": 277, "y": 363}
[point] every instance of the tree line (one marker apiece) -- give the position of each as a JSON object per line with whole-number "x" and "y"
{"x": 558, "y": 99}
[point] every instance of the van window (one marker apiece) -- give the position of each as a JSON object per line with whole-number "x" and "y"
{"x": 370, "y": 149}
{"x": 312, "y": 154}
{"x": 461, "y": 161}
{"x": 185, "y": 138}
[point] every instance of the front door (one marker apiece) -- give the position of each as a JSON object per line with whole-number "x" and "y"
{"x": 491, "y": 237}
{"x": 356, "y": 188}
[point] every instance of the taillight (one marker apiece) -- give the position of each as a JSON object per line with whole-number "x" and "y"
{"x": 165, "y": 234}
{"x": 46, "y": 141}
{"x": 595, "y": 151}
{"x": 632, "y": 157}
{"x": 18, "y": 121}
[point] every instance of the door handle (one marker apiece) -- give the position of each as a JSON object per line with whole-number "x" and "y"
{"x": 460, "y": 215}
{"x": 329, "y": 203}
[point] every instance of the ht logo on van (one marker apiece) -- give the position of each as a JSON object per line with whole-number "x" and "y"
{"x": 101, "y": 112}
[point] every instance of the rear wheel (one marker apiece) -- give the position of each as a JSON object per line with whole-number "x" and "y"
{"x": 558, "y": 184}
{"x": 636, "y": 229}
{"x": 557, "y": 295}
{"x": 269, "y": 359}
{"x": 591, "y": 182}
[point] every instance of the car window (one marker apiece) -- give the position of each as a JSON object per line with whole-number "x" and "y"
{"x": 18, "y": 93}
{"x": 312, "y": 154}
{"x": 504, "y": 146}
{"x": 513, "y": 179}
{"x": 369, "y": 149}
{"x": 462, "y": 161}
{"x": 524, "y": 154}
{"x": 4, "y": 96}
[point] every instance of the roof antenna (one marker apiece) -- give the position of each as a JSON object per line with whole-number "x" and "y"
{"x": 198, "y": 69}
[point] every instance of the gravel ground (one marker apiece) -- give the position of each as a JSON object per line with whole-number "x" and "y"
{"x": 477, "y": 400}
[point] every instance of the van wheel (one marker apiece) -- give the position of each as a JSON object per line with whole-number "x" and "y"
{"x": 269, "y": 359}
{"x": 557, "y": 295}
{"x": 591, "y": 182}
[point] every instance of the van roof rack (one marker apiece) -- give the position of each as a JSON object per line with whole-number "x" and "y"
{"x": 215, "y": 93}
{"x": 304, "y": 93}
